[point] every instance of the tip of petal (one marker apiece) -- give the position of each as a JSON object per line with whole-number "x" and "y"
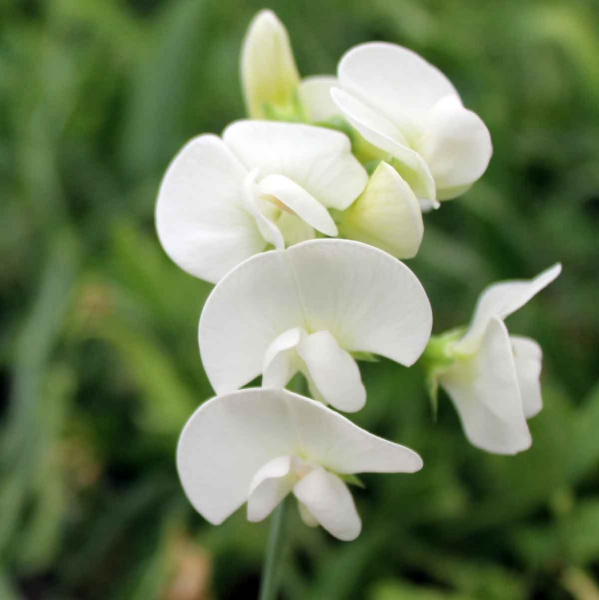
{"x": 418, "y": 463}
{"x": 552, "y": 273}
{"x": 267, "y": 15}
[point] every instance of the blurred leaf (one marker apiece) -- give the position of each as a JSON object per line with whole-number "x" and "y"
{"x": 153, "y": 125}
{"x": 23, "y": 444}
{"x": 585, "y": 449}
{"x": 403, "y": 591}
{"x": 40, "y": 539}
{"x": 167, "y": 402}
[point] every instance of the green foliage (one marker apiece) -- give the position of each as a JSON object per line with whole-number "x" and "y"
{"x": 99, "y": 353}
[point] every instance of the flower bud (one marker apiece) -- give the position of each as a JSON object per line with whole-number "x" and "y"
{"x": 268, "y": 72}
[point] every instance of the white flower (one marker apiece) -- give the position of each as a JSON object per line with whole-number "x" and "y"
{"x": 259, "y": 445}
{"x": 407, "y": 108}
{"x": 308, "y": 308}
{"x": 270, "y": 79}
{"x": 494, "y": 377}
{"x": 263, "y": 183}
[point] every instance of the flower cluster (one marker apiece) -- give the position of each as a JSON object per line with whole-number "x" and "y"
{"x": 300, "y": 215}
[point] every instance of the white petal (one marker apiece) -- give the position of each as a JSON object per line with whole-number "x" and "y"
{"x": 224, "y": 444}
{"x": 367, "y": 299}
{"x": 269, "y": 486}
{"x": 333, "y": 371}
{"x": 374, "y": 126}
{"x": 528, "y": 357}
{"x": 229, "y": 438}
{"x": 328, "y": 439}
{"x": 317, "y": 159}
{"x": 300, "y": 202}
{"x": 395, "y": 81}
{"x": 200, "y": 215}
{"x": 330, "y": 502}
{"x": 315, "y": 96}
{"x": 268, "y": 71}
{"x": 456, "y": 145}
{"x": 268, "y": 230}
{"x": 502, "y": 299}
{"x": 280, "y": 360}
{"x": 376, "y": 129}
{"x": 244, "y": 314}
{"x": 486, "y": 394}
{"x": 387, "y": 215}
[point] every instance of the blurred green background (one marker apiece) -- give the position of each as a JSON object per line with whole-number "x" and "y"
{"x": 99, "y": 361}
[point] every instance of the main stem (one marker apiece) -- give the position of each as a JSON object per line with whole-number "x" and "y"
{"x": 269, "y": 584}
{"x": 270, "y": 580}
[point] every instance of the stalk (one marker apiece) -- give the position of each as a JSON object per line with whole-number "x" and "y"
{"x": 270, "y": 580}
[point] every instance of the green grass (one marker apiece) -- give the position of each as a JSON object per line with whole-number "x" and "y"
{"x": 98, "y": 351}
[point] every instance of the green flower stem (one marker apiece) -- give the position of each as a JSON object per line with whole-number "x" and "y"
{"x": 270, "y": 572}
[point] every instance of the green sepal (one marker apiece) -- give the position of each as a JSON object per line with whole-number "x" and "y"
{"x": 436, "y": 359}
{"x": 339, "y": 124}
{"x": 289, "y": 113}
{"x": 365, "y": 357}
{"x": 353, "y": 480}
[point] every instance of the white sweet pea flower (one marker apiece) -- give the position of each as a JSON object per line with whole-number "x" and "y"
{"x": 263, "y": 184}
{"x": 271, "y": 83}
{"x": 259, "y": 445}
{"x": 308, "y": 308}
{"x": 492, "y": 377}
{"x": 408, "y": 109}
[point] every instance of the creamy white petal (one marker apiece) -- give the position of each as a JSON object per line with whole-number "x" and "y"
{"x": 528, "y": 357}
{"x": 281, "y": 360}
{"x": 268, "y": 230}
{"x": 230, "y": 438}
{"x": 367, "y": 299}
{"x": 395, "y": 81}
{"x": 379, "y": 131}
{"x": 456, "y": 145}
{"x": 502, "y": 299}
{"x": 450, "y": 193}
{"x": 307, "y": 517}
{"x": 330, "y": 502}
{"x": 200, "y": 215}
{"x": 486, "y": 394}
{"x": 318, "y": 159}
{"x": 333, "y": 371}
{"x": 294, "y": 229}
{"x": 299, "y": 201}
{"x": 268, "y": 71}
{"x": 387, "y": 215}
{"x": 269, "y": 486}
{"x": 315, "y": 96}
